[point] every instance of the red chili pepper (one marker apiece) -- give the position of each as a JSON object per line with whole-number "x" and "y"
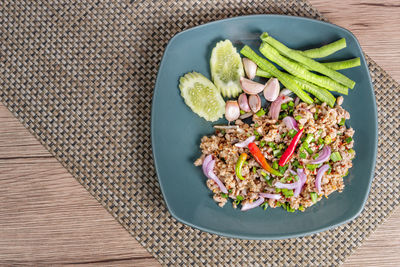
{"x": 290, "y": 150}
{"x": 259, "y": 157}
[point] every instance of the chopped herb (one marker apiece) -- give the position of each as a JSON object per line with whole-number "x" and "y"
{"x": 321, "y": 147}
{"x": 314, "y": 197}
{"x": 347, "y": 173}
{"x": 223, "y": 132}
{"x": 264, "y": 174}
{"x": 275, "y": 165}
{"x": 342, "y": 121}
{"x": 277, "y": 153}
{"x": 256, "y": 125}
{"x": 282, "y": 169}
{"x": 348, "y": 140}
{"x": 230, "y": 190}
{"x": 283, "y": 135}
{"x": 351, "y": 151}
{"x": 289, "y": 209}
{"x": 296, "y": 178}
{"x": 283, "y": 180}
{"x": 310, "y": 138}
{"x": 316, "y": 156}
{"x": 312, "y": 167}
{"x": 316, "y": 114}
{"x": 339, "y": 133}
{"x": 287, "y": 192}
{"x": 262, "y": 143}
{"x": 292, "y": 133}
{"x": 298, "y": 117}
{"x": 271, "y": 145}
{"x": 328, "y": 140}
{"x": 264, "y": 205}
{"x": 260, "y": 113}
{"x": 278, "y": 190}
{"x": 224, "y": 195}
{"x": 284, "y": 106}
{"x": 320, "y": 141}
{"x": 301, "y": 127}
{"x": 242, "y": 112}
{"x": 254, "y": 169}
{"x": 269, "y": 181}
{"x": 282, "y": 115}
{"x": 301, "y": 208}
{"x": 279, "y": 204}
{"x": 245, "y": 162}
{"x": 303, "y": 155}
{"x": 291, "y": 104}
{"x": 329, "y": 170}
{"x": 281, "y": 146}
{"x": 319, "y": 131}
{"x": 239, "y": 198}
{"x": 296, "y": 164}
{"x": 335, "y": 156}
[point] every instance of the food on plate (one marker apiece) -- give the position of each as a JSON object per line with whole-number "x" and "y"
{"x": 201, "y": 95}
{"x": 226, "y": 68}
{"x": 289, "y": 162}
{"x": 289, "y": 153}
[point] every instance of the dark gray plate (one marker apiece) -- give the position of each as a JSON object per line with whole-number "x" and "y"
{"x": 176, "y": 131}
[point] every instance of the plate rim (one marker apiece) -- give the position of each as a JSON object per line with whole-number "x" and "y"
{"x": 264, "y": 237}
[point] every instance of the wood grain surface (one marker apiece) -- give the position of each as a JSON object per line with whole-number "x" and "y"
{"x": 47, "y": 218}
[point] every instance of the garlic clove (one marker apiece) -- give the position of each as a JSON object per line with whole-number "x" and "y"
{"x": 232, "y": 110}
{"x": 251, "y": 87}
{"x": 250, "y": 68}
{"x": 255, "y": 103}
{"x": 244, "y": 102}
{"x": 271, "y": 90}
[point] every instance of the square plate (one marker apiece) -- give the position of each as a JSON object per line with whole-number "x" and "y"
{"x": 176, "y": 131}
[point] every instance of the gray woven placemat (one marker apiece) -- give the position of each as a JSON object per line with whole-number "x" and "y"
{"x": 80, "y": 75}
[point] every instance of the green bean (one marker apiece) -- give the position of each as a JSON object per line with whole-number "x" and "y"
{"x": 344, "y": 64}
{"x": 325, "y": 50}
{"x": 263, "y": 73}
{"x": 310, "y": 63}
{"x": 297, "y": 70}
{"x": 319, "y": 92}
{"x": 269, "y": 67}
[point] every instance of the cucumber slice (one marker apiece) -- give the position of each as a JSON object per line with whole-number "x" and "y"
{"x": 226, "y": 68}
{"x": 201, "y": 95}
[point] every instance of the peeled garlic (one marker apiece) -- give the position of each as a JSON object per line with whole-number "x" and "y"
{"x": 251, "y": 87}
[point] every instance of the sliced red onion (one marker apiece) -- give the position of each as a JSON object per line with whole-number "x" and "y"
{"x": 288, "y": 186}
{"x": 321, "y": 171}
{"x": 251, "y": 87}
{"x": 293, "y": 172}
{"x": 271, "y": 90}
{"x": 290, "y": 123}
{"x": 210, "y": 174}
{"x": 250, "y": 68}
{"x": 275, "y": 107}
{"x": 302, "y": 179}
{"x": 252, "y": 205}
{"x": 324, "y": 155}
{"x": 246, "y": 142}
{"x": 297, "y": 101}
{"x": 244, "y": 102}
{"x": 206, "y": 161}
{"x": 271, "y": 196}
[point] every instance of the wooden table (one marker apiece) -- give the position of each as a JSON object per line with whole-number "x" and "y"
{"x": 46, "y": 217}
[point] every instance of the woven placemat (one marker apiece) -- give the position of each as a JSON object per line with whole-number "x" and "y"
{"x": 80, "y": 75}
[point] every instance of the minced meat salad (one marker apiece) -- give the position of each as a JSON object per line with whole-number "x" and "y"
{"x": 289, "y": 162}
